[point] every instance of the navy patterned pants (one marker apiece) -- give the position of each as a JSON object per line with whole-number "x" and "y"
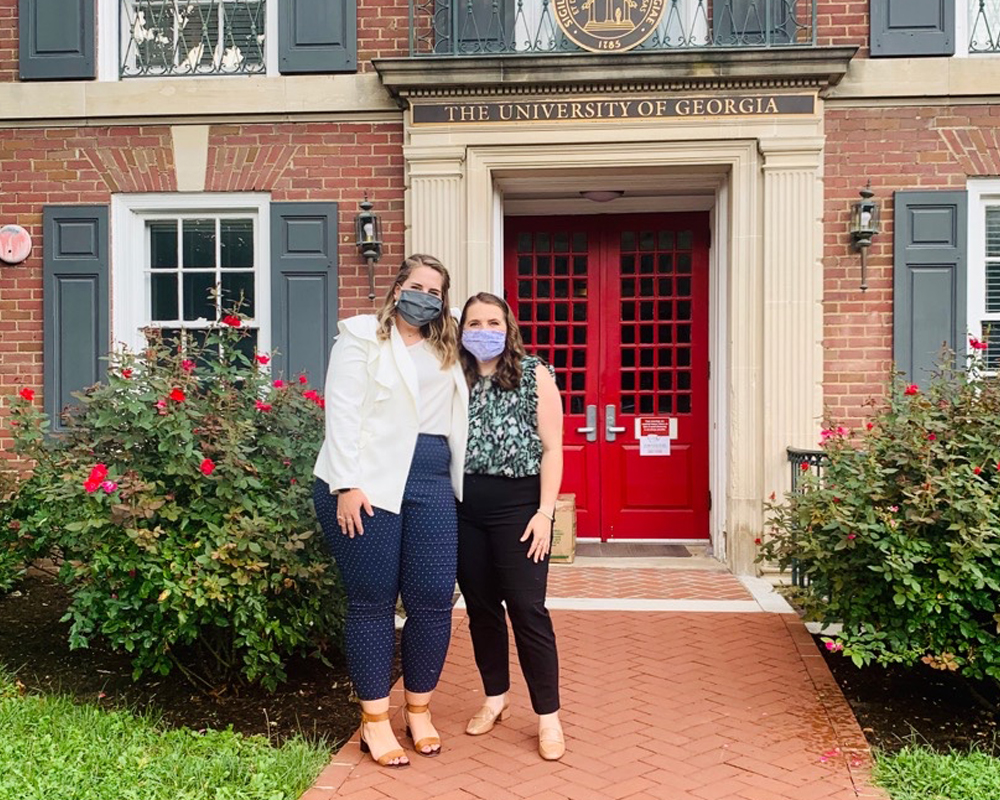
{"x": 412, "y": 553}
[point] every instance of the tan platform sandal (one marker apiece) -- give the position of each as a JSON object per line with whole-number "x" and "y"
{"x": 551, "y": 744}
{"x": 427, "y": 741}
{"x": 485, "y": 718}
{"x": 385, "y": 760}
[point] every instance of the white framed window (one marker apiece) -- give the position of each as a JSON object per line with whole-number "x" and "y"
{"x": 984, "y": 267}
{"x": 186, "y": 38}
{"x": 182, "y": 261}
{"x": 977, "y": 27}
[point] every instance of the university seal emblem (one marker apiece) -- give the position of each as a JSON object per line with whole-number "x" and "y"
{"x": 604, "y": 26}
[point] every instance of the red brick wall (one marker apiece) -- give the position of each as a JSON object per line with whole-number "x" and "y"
{"x": 897, "y": 149}
{"x": 383, "y": 31}
{"x": 8, "y": 41}
{"x": 314, "y": 161}
{"x": 842, "y": 22}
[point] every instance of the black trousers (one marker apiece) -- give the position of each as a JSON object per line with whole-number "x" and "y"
{"x": 493, "y": 568}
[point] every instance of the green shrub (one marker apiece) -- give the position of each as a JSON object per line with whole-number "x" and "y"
{"x": 900, "y": 538}
{"x": 179, "y": 500}
{"x": 18, "y": 547}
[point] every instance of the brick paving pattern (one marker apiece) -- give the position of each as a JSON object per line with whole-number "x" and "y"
{"x": 644, "y": 583}
{"x": 665, "y": 705}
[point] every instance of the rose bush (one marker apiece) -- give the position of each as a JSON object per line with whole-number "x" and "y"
{"x": 179, "y": 503}
{"x": 900, "y": 538}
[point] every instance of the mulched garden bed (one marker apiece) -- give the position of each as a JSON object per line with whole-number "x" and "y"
{"x": 315, "y": 701}
{"x": 897, "y": 706}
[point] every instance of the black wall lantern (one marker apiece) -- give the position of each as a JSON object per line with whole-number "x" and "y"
{"x": 368, "y": 233}
{"x": 864, "y": 225}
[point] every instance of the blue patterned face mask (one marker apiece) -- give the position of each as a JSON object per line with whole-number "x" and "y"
{"x": 485, "y": 345}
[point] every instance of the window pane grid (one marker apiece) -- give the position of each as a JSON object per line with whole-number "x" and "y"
{"x": 992, "y": 265}
{"x": 188, "y": 286}
{"x": 655, "y": 322}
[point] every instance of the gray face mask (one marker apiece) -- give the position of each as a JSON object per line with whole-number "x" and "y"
{"x": 418, "y": 308}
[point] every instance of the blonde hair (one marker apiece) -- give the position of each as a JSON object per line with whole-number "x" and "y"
{"x": 441, "y": 333}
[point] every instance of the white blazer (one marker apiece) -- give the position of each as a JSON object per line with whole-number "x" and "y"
{"x": 372, "y": 401}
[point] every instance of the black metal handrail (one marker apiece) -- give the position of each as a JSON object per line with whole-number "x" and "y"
{"x": 497, "y": 27}
{"x": 815, "y": 461}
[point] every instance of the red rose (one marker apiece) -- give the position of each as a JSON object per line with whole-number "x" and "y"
{"x": 804, "y": 466}
{"x": 177, "y": 396}
{"x": 27, "y": 394}
{"x": 870, "y": 425}
{"x": 207, "y": 466}
{"x": 262, "y": 359}
{"x": 126, "y": 374}
{"x": 758, "y": 541}
{"x": 91, "y": 486}
{"x": 263, "y": 406}
{"x": 911, "y": 390}
{"x": 98, "y": 473}
{"x": 931, "y": 437}
{"x": 187, "y": 365}
{"x": 303, "y": 380}
{"x": 975, "y": 344}
{"x": 976, "y": 470}
{"x": 232, "y": 321}
{"x": 279, "y": 384}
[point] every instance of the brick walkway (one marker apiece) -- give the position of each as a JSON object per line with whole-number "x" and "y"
{"x": 668, "y": 705}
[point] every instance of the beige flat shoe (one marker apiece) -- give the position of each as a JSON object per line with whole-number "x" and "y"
{"x": 551, "y": 744}
{"x": 386, "y": 759}
{"x": 484, "y": 720}
{"x": 427, "y": 741}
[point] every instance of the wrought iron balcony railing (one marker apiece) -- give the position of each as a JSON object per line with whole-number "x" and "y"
{"x": 494, "y": 27}
{"x": 191, "y": 37}
{"x": 984, "y": 26}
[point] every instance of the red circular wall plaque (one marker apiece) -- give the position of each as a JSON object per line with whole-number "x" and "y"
{"x": 15, "y": 244}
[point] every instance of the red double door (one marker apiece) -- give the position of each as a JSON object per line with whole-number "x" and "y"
{"x": 619, "y": 306}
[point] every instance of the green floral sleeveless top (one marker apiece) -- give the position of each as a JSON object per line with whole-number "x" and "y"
{"x": 503, "y": 426}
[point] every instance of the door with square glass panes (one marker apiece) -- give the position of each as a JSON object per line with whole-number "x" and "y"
{"x": 619, "y": 306}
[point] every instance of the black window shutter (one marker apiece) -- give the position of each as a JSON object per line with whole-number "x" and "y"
{"x": 750, "y": 22}
{"x": 930, "y": 277}
{"x": 56, "y": 39}
{"x": 912, "y": 27}
{"x": 317, "y": 36}
{"x": 76, "y": 302}
{"x": 303, "y": 288}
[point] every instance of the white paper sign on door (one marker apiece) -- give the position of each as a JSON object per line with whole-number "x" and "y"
{"x": 655, "y": 435}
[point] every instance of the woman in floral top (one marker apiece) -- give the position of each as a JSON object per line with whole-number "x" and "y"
{"x": 513, "y": 469}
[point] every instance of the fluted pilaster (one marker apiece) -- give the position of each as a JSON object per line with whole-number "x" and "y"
{"x": 435, "y": 210}
{"x": 793, "y": 302}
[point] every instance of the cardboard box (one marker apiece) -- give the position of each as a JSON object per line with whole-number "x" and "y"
{"x": 564, "y": 531}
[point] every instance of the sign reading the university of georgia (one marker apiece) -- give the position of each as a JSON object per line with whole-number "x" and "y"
{"x": 597, "y": 110}
{"x": 604, "y": 26}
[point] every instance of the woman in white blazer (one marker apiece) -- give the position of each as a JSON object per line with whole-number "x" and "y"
{"x": 387, "y": 477}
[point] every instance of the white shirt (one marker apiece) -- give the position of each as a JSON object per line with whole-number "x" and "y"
{"x": 437, "y": 390}
{"x": 372, "y": 415}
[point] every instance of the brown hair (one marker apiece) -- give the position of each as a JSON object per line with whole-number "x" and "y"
{"x": 508, "y": 373}
{"x": 441, "y": 333}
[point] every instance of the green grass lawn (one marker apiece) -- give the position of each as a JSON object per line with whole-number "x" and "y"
{"x": 54, "y": 749}
{"x": 917, "y": 773}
